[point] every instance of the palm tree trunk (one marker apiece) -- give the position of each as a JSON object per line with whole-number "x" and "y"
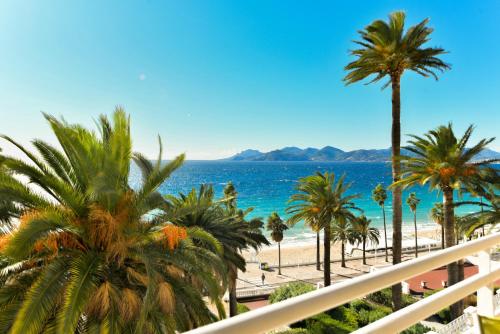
{"x": 326, "y": 255}
{"x": 442, "y": 235}
{"x": 279, "y": 259}
{"x": 416, "y": 236}
{"x": 233, "y": 302}
{"x": 318, "y": 267}
{"x": 385, "y": 236}
{"x": 364, "y": 250}
{"x": 450, "y": 240}
{"x": 482, "y": 209}
{"x": 343, "y": 255}
{"x": 397, "y": 215}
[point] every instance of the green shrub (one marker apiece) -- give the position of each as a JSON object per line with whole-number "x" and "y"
{"x": 363, "y": 317}
{"x": 345, "y": 315}
{"x": 408, "y": 300}
{"x": 324, "y": 324}
{"x": 366, "y": 317}
{"x": 416, "y": 329}
{"x": 445, "y": 315}
{"x": 242, "y": 308}
{"x": 294, "y": 331}
{"x": 361, "y": 304}
{"x": 289, "y": 291}
{"x": 384, "y": 297}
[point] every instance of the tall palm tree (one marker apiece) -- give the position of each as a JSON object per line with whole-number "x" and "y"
{"x": 89, "y": 253}
{"x": 365, "y": 233}
{"x": 413, "y": 202}
{"x": 386, "y": 50}
{"x": 200, "y": 210}
{"x": 343, "y": 232}
{"x": 438, "y": 217}
{"x": 276, "y": 225}
{"x": 250, "y": 230}
{"x": 379, "y": 195}
{"x": 316, "y": 229}
{"x": 319, "y": 196}
{"x": 310, "y": 220}
{"x": 444, "y": 162}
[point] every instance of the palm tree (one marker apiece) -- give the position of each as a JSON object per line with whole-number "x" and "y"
{"x": 230, "y": 195}
{"x": 379, "y": 195}
{"x": 387, "y": 51}
{"x": 343, "y": 232}
{"x": 89, "y": 253}
{"x": 365, "y": 232}
{"x": 445, "y": 163}
{"x": 316, "y": 229}
{"x": 199, "y": 210}
{"x": 277, "y": 227}
{"x": 319, "y": 197}
{"x": 250, "y": 230}
{"x": 413, "y": 202}
{"x": 438, "y": 217}
{"x": 489, "y": 216}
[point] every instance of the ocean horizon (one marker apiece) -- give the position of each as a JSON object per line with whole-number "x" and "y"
{"x": 267, "y": 186}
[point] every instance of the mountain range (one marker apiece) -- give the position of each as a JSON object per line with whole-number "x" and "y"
{"x": 329, "y": 153}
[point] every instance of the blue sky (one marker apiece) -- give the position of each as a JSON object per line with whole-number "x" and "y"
{"x": 215, "y": 77}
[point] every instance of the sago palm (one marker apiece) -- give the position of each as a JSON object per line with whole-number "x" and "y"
{"x": 444, "y": 162}
{"x": 412, "y": 201}
{"x": 386, "y": 50}
{"x": 365, "y": 232}
{"x": 88, "y": 253}
{"x": 379, "y": 195}
{"x": 319, "y": 196}
{"x": 277, "y": 227}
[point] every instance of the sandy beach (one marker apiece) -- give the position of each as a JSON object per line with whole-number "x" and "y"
{"x": 305, "y": 251}
{"x": 298, "y": 262}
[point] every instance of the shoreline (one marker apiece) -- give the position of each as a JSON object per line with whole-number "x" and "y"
{"x": 308, "y": 238}
{"x": 304, "y": 251}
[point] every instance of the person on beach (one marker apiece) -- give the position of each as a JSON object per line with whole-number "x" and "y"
{"x": 263, "y": 277}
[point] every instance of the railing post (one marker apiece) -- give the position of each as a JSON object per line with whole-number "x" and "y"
{"x": 485, "y": 303}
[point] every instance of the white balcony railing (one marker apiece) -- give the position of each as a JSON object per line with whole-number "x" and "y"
{"x": 286, "y": 312}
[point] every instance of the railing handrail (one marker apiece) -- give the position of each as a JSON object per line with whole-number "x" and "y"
{"x": 404, "y": 318}
{"x": 306, "y": 305}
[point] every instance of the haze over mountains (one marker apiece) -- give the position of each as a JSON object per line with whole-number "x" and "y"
{"x": 329, "y": 153}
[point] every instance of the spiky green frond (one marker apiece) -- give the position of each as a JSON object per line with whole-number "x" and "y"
{"x": 321, "y": 200}
{"x": 386, "y": 50}
{"x": 442, "y": 160}
{"x": 89, "y": 254}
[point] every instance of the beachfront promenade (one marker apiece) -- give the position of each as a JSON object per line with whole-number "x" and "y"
{"x": 306, "y": 272}
{"x": 299, "y": 263}
{"x": 283, "y": 313}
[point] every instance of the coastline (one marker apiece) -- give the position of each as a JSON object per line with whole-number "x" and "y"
{"x": 304, "y": 250}
{"x": 308, "y": 238}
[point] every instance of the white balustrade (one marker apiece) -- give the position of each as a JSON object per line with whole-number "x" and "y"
{"x": 283, "y": 313}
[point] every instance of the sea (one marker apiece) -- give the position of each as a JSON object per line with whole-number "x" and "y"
{"x": 267, "y": 186}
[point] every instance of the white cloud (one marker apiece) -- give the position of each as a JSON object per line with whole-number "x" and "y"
{"x": 142, "y": 76}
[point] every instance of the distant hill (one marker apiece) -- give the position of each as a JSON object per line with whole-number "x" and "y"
{"x": 329, "y": 153}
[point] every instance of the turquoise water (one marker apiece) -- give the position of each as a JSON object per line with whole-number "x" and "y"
{"x": 267, "y": 186}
